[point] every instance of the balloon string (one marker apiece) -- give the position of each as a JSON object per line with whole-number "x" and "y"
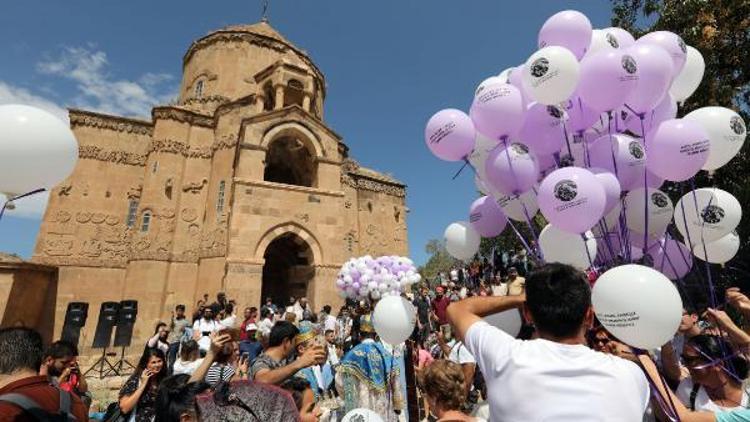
{"x": 666, "y": 405}
{"x": 521, "y": 238}
{"x": 712, "y": 291}
{"x": 586, "y": 153}
{"x": 531, "y": 227}
{"x": 607, "y": 240}
{"x": 687, "y": 230}
{"x": 665, "y": 257}
{"x": 586, "y": 246}
{"x": 645, "y": 189}
{"x": 567, "y": 138}
{"x": 17, "y": 197}
{"x": 466, "y": 162}
{"x": 626, "y": 245}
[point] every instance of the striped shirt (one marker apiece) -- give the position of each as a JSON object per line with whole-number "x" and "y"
{"x": 218, "y": 372}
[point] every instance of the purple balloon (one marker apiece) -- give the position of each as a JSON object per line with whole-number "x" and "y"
{"x": 514, "y": 176}
{"x": 629, "y": 158}
{"x": 665, "y": 110}
{"x": 572, "y": 199}
{"x": 497, "y": 112}
{"x": 570, "y": 29}
{"x": 607, "y": 79}
{"x": 450, "y": 134}
{"x": 623, "y": 38}
{"x": 671, "y": 257}
{"x": 542, "y": 129}
{"x": 654, "y": 77}
{"x": 677, "y": 149}
{"x": 515, "y": 78}
{"x": 580, "y": 115}
{"x": 637, "y": 240}
{"x": 486, "y": 217}
{"x": 611, "y": 187}
{"x": 672, "y": 43}
{"x": 547, "y": 164}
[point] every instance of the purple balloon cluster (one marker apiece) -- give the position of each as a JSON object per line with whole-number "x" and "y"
{"x": 587, "y": 129}
{"x": 372, "y": 278}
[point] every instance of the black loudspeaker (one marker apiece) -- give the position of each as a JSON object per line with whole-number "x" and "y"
{"x": 107, "y": 320}
{"x": 75, "y": 319}
{"x": 125, "y": 322}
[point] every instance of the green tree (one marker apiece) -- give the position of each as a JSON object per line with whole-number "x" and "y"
{"x": 720, "y": 30}
{"x": 440, "y": 260}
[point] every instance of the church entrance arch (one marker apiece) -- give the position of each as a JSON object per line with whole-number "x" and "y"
{"x": 287, "y": 269}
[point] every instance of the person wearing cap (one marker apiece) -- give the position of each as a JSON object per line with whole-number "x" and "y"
{"x": 318, "y": 375}
{"x": 250, "y": 347}
{"x": 369, "y": 377}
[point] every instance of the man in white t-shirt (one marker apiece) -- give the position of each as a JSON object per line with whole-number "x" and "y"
{"x": 204, "y": 327}
{"x": 554, "y": 377}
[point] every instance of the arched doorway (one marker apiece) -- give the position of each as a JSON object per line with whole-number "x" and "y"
{"x": 288, "y": 268}
{"x": 289, "y": 161}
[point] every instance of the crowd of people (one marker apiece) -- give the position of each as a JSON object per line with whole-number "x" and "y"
{"x": 289, "y": 362}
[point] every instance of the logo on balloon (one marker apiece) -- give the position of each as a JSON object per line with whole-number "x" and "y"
{"x": 659, "y": 199}
{"x": 636, "y": 150}
{"x": 682, "y": 44}
{"x": 554, "y": 112}
{"x": 566, "y": 190}
{"x": 357, "y": 418}
{"x": 540, "y": 67}
{"x": 628, "y": 63}
{"x": 712, "y": 214}
{"x": 738, "y": 126}
{"x": 612, "y": 40}
{"x": 520, "y": 149}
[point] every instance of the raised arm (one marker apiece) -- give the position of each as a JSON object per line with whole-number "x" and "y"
{"x": 217, "y": 344}
{"x": 464, "y": 313}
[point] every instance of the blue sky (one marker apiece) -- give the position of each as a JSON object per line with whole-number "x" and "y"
{"x": 389, "y": 65}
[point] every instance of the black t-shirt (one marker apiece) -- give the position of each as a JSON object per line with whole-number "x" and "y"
{"x": 423, "y": 309}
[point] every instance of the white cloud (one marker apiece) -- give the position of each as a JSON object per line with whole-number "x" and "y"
{"x": 31, "y": 207}
{"x": 15, "y": 95}
{"x": 99, "y": 90}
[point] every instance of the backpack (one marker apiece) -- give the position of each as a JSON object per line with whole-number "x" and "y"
{"x": 31, "y": 407}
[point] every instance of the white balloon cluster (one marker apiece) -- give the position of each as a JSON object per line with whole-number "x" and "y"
{"x": 373, "y": 278}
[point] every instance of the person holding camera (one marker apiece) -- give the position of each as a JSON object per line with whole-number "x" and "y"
{"x": 60, "y": 364}
{"x": 275, "y": 364}
{"x": 204, "y": 327}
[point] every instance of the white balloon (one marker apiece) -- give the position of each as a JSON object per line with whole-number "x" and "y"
{"x": 505, "y": 75}
{"x": 637, "y": 304}
{"x": 689, "y": 78}
{"x": 659, "y": 208}
{"x": 601, "y": 39}
{"x": 710, "y": 214}
{"x": 508, "y": 321}
{"x": 719, "y": 251}
{"x": 37, "y": 150}
{"x": 513, "y": 205}
{"x": 726, "y": 132}
{"x": 461, "y": 240}
{"x": 612, "y": 219}
{"x": 375, "y": 294}
{"x": 567, "y": 248}
{"x": 551, "y": 75}
{"x": 394, "y": 318}
{"x": 478, "y": 157}
{"x": 362, "y": 415}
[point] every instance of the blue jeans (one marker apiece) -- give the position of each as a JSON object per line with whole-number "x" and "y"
{"x": 172, "y": 355}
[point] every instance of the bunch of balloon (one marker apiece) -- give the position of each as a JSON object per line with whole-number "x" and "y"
{"x": 586, "y": 131}
{"x": 37, "y": 151}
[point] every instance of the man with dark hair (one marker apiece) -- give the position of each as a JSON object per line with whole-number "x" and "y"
{"x": 60, "y": 364}
{"x": 177, "y": 328}
{"x": 273, "y": 366}
{"x": 556, "y": 370}
{"x": 26, "y": 396}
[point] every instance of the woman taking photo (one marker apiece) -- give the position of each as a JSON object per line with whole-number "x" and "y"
{"x": 138, "y": 395}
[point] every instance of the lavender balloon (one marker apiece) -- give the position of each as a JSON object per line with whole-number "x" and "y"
{"x": 515, "y": 78}
{"x": 486, "y": 217}
{"x": 542, "y": 129}
{"x": 677, "y": 149}
{"x": 512, "y": 170}
{"x": 450, "y": 134}
{"x": 497, "y": 112}
{"x": 629, "y": 158}
{"x": 623, "y": 38}
{"x": 665, "y": 110}
{"x": 654, "y": 77}
{"x": 672, "y": 43}
{"x": 580, "y": 115}
{"x": 570, "y": 29}
{"x": 611, "y": 187}
{"x": 607, "y": 79}
{"x": 671, "y": 257}
{"x": 572, "y": 199}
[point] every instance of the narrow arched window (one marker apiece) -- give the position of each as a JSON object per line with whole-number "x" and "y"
{"x": 132, "y": 212}
{"x": 199, "y": 89}
{"x": 220, "y": 199}
{"x": 145, "y": 221}
{"x": 155, "y": 167}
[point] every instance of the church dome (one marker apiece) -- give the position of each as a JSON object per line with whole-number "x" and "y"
{"x": 222, "y": 65}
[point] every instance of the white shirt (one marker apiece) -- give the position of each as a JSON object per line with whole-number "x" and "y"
{"x": 459, "y": 353}
{"x": 500, "y": 289}
{"x": 229, "y": 321}
{"x": 181, "y": 367}
{"x": 454, "y": 275}
{"x": 704, "y": 403}
{"x": 540, "y": 380}
{"x": 333, "y": 357}
{"x": 206, "y": 326}
{"x": 330, "y": 323}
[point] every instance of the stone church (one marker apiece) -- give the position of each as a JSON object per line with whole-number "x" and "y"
{"x": 239, "y": 186}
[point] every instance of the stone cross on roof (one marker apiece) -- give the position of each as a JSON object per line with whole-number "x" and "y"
{"x": 264, "y": 18}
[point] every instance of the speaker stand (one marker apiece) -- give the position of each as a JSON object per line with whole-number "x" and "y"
{"x": 100, "y": 364}
{"x": 123, "y": 365}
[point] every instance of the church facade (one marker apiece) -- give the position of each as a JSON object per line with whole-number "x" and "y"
{"x": 239, "y": 186}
